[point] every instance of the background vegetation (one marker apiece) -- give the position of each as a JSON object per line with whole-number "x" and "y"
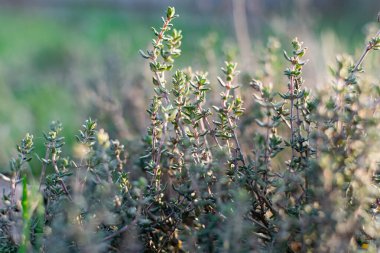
{"x": 84, "y": 51}
{"x": 248, "y": 153}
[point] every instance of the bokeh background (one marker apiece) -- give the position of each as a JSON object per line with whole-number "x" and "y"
{"x": 70, "y": 59}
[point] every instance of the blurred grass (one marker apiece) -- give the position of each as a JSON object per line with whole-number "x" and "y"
{"x": 50, "y": 32}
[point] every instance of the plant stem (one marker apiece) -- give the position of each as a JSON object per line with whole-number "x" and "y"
{"x": 43, "y": 170}
{"x": 291, "y": 91}
{"x": 363, "y": 55}
{"x": 54, "y": 161}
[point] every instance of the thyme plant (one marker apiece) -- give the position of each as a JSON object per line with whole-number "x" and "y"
{"x": 306, "y": 179}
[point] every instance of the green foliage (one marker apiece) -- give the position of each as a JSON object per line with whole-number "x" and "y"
{"x": 305, "y": 181}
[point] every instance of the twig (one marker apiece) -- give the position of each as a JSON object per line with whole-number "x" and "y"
{"x": 43, "y": 170}
{"x": 120, "y": 231}
{"x": 259, "y": 224}
{"x": 368, "y": 48}
{"x": 291, "y": 91}
{"x": 261, "y": 196}
{"x": 54, "y": 161}
{"x": 4, "y": 177}
{"x": 212, "y": 132}
{"x": 238, "y": 147}
{"x": 13, "y": 188}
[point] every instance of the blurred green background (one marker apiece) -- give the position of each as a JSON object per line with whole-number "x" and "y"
{"x": 67, "y": 60}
